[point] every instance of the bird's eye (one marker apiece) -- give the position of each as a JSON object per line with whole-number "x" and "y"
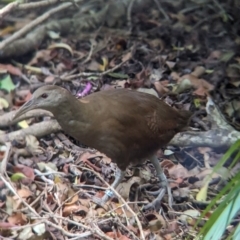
{"x": 44, "y": 95}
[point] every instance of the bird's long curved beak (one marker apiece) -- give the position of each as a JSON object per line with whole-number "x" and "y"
{"x": 29, "y": 105}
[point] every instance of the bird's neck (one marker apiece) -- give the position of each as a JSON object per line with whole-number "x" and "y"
{"x": 71, "y": 113}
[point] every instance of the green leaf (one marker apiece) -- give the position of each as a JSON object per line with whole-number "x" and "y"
{"x": 7, "y": 84}
{"x": 229, "y": 205}
{"x": 227, "y": 56}
{"x": 17, "y": 176}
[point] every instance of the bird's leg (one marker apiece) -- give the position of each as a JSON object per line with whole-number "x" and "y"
{"x": 162, "y": 178}
{"x": 119, "y": 175}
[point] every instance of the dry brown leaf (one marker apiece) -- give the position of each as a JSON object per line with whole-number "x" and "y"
{"x": 173, "y": 226}
{"x": 73, "y": 196}
{"x": 49, "y": 79}
{"x": 214, "y": 55}
{"x": 182, "y": 192}
{"x": 178, "y": 171}
{"x": 198, "y": 71}
{"x": 10, "y": 69}
{"x": 23, "y": 96}
{"x": 157, "y": 43}
{"x": 6, "y": 225}
{"x": 33, "y": 145}
{"x": 123, "y": 237}
{"x": 105, "y": 159}
{"x": 62, "y": 190}
{"x": 160, "y": 88}
{"x": 24, "y": 193}
{"x": 87, "y": 155}
{"x": 68, "y": 210}
{"x": 187, "y": 81}
{"x": 85, "y": 202}
{"x": 17, "y": 219}
{"x": 41, "y": 56}
{"x": 204, "y": 150}
{"x": 167, "y": 164}
{"x": 127, "y": 56}
{"x": 175, "y": 76}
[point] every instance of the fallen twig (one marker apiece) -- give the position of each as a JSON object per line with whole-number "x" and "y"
{"x": 122, "y": 200}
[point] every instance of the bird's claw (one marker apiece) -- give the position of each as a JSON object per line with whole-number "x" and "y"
{"x": 98, "y": 201}
{"x": 162, "y": 191}
{"x": 102, "y": 201}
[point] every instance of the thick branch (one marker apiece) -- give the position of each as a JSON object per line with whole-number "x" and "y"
{"x": 214, "y": 138}
{"x": 38, "y": 130}
{"x": 6, "y": 119}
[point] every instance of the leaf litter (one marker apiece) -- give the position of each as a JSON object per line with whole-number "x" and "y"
{"x": 183, "y": 61}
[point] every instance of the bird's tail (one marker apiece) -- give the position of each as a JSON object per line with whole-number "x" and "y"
{"x": 184, "y": 120}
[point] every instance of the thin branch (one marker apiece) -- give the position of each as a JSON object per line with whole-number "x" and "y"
{"x": 35, "y": 23}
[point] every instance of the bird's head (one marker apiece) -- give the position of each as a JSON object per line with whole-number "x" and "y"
{"x": 47, "y": 97}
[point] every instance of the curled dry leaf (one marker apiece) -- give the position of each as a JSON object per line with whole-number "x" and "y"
{"x": 189, "y": 217}
{"x": 167, "y": 164}
{"x": 63, "y": 46}
{"x": 33, "y": 145}
{"x": 124, "y": 188}
{"x": 156, "y": 222}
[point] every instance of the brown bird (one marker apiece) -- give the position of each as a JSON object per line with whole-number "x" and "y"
{"x": 128, "y": 126}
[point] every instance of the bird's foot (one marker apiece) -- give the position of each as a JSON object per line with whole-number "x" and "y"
{"x": 102, "y": 201}
{"x": 166, "y": 186}
{"x": 161, "y": 193}
{"x": 98, "y": 201}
